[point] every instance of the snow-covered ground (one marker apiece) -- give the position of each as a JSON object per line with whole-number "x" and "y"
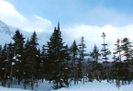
{"x": 89, "y": 86}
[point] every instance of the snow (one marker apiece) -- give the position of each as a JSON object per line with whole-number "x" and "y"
{"x": 97, "y": 86}
{"x": 88, "y": 86}
{"x": 7, "y": 32}
{"x": 14, "y": 57}
{"x": 13, "y": 63}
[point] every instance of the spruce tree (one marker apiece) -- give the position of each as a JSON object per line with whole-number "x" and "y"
{"x": 105, "y": 52}
{"x": 31, "y": 55}
{"x": 44, "y": 63}
{"x": 127, "y": 49}
{"x": 117, "y": 51}
{"x": 10, "y": 62}
{"x": 94, "y": 66}
{"x": 81, "y": 59}
{"x": 18, "y": 54}
{"x": 74, "y": 61}
{"x": 117, "y": 64}
{"x": 4, "y": 65}
{"x": 95, "y": 54}
{"x": 57, "y": 58}
{"x": 26, "y": 65}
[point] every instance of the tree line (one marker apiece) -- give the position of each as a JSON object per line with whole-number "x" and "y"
{"x": 23, "y": 62}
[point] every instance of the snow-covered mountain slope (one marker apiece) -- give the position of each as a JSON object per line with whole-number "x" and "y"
{"x": 7, "y": 32}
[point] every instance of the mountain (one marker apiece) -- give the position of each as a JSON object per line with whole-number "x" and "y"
{"x": 7, "y": 32}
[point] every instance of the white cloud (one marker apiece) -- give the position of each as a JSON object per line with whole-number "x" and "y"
{"x": 93, "y": 34}
{"x": 38, "y": 24}
{"x": 12, "y": 17}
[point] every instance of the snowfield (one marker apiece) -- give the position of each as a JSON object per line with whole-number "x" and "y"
{"x": 89, "y": 86}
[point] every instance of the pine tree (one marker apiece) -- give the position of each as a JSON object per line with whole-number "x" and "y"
{"x": 74, "y": 61}
{"x": 117, "y": 64}
{"x": 26, "y": 65}
{"x": 82, "y": 54}
{"x": 94, "y": 65}
{"x": 126, "y": 47}
{"x": 38, "y": 67}
{"x": 117, "y": 51}
{"x": 4, "y": 64}
{"x": 31, "y": 55}
{"x": 44, "y": 63}
{"x": 10, "y": 63}
{"x": 18, "y": 54}
{"x": 105, "y": 53}
{"x": 57, "y": 58}
{"x": 95, "y": 54}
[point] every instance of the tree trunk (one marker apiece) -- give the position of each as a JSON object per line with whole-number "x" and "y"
{"x": 24, "y": 84}
{"x": 19, "y": 80}
{"x": 32, "y": 83}
{"x": 37, "y": 83}
{"x": 10, "y": 78}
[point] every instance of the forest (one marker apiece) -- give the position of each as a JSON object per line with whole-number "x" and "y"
{"x": 23, "y": 62}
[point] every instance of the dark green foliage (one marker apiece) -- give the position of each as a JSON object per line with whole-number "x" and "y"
{"x": 58, "y": 60}
{"x": 126, "y": 47}
{"x": 31, "y": 59}
{"x": 105, "y": 51}
{"x": 81, "y": 69}
{"x": 95, "y": 54}
{"x": 18, "y": 54}
{"x": 94, "y": 66}
{"x": 117, "y": 51}
{"x": 74, "y": 61}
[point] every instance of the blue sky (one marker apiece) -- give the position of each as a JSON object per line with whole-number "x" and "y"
{"x": 70, "y": 12}
{"x": 88, "y": 18}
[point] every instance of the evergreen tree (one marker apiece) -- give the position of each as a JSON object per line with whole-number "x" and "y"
{"x": 10, "y": 63}
{"x": 105, "y": 53}
{"x": 74, "y": 61}
{"x": 117, "y": 64}
{"x": 57, "y": 58}
{"x": 38, "y": 67}
{"x": 126, "y": 47}
{"x": 95, "y": 54}
{"x": 4, "y": 65}
{"x": 82, "y": 54}
{"x": 117, "y": 51}
{"x": 18, "y": 54}
{"x": 45, "y": 63}
{"x": 31, "y": 55}
{"x": 94, "y": 66}
{"x": 26, "y": 65}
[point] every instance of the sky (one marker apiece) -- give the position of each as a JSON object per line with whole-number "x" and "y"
{"x": 88, "y": 18}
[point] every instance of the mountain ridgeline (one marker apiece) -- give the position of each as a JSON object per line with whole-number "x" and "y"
{"x": 23, "y": 62}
